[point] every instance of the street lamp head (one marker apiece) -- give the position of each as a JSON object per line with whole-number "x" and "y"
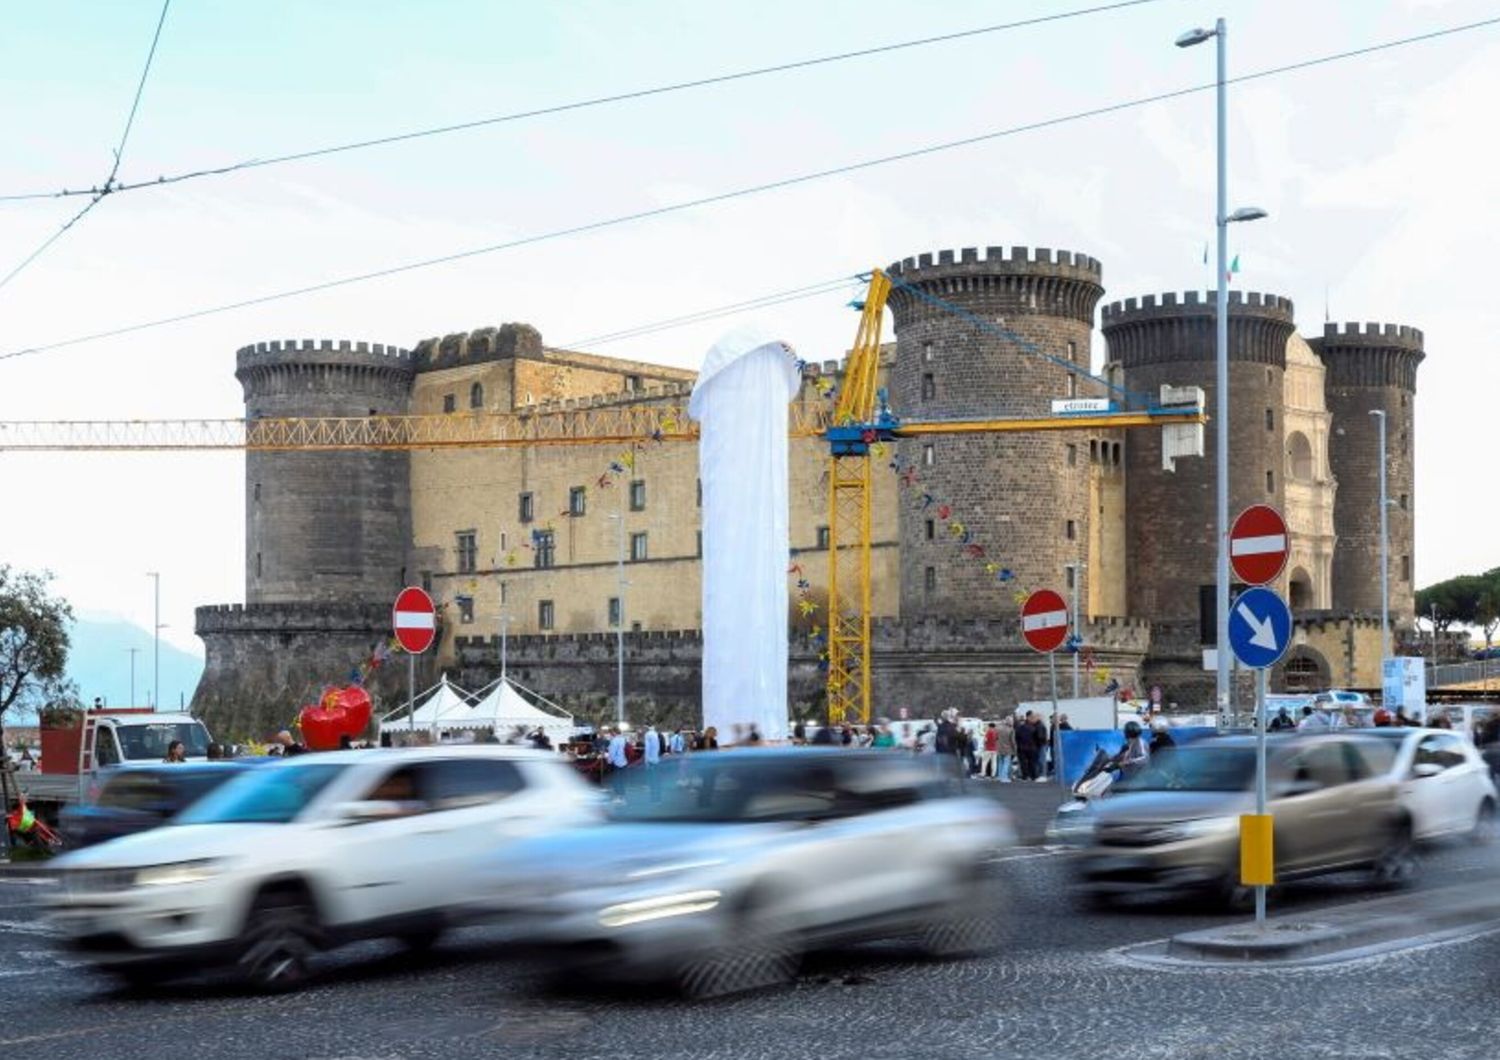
{"x": 1378, "y": 412}
{"x": 1195, "y": 36}
{"x": 1246, "y": 213}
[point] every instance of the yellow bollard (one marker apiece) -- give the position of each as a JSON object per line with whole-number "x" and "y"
{"x": 1257, "y": 854}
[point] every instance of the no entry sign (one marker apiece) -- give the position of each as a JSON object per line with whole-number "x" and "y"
{"x": 1044, "y": 620}
{"x": 414, "y": 620}
{"x": 1258, "y": 544}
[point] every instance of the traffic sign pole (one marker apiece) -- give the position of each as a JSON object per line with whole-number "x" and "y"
{"x": 1260, "y": 780}
{"x": 1056, "y": 739}
{"x": 411, "y": 692}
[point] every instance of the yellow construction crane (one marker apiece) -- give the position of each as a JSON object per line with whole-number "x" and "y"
{"x": 858, "y": 421}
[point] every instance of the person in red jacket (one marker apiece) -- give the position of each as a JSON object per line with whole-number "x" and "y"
{"x": 989, "y": 755}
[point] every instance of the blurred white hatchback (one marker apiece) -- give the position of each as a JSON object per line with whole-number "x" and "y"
{"x": 303, "y": 855}
{"x": 1445, "y": 785}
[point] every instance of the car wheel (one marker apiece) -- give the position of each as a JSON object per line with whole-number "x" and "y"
{"x": 1397, "y": 864}
{"x": 420, "y": 941}
{"x": 755, "y": 952}
{"x": 279, "y": 934}
{"x": 967, "y": 926}
{"x": 1484, "y": 823}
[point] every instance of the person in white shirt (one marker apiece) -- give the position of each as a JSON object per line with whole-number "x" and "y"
{"x": 617, "y": 759}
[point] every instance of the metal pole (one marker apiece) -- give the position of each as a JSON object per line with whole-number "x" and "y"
{"x": 620, "y": 632}
{"x": 156, "y": 643}
{"x": 1077, "y": 569}
{"x": 1385, "y": 547}
{"x": 132, "y": 652}
{"x": 1056, "y": 743}
{"x": 1221, "y": 414}
{"x": 1434, "y": 643}
{"x": 1260, "y": 778}
{"x": 504, "y": 629}
{"x": 411, "y": 692}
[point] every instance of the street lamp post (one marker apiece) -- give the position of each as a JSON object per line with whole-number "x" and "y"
{"x": 1222, "y": 220}
{"x": 504, "y": 629}
{"x": 133, "y": 652}
{"x": 620, "y": 626}
{"x": 1385, "y": 548}
{"x": 156, "y": 642}
{"x": 1077, "y": 571}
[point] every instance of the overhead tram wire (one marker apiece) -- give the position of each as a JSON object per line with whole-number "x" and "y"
{"x": 786, "y": 182}
{"x": 596, "y": 101}
{"x": 110, "y": 187}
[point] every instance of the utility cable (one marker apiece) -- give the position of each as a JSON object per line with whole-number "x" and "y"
{"x": 785, "y": 182}
{"x": 96, "y": 195}
{"x": 582, "y": 104}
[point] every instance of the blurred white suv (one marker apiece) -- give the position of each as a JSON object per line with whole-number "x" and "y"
{"x": 303, "y": 855}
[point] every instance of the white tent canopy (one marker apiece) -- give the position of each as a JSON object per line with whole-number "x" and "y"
{"x": 503, "y": 708}
{"x": 442, "y": 701}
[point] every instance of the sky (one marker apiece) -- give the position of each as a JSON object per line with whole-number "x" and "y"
{"x": 1378, "y": 174}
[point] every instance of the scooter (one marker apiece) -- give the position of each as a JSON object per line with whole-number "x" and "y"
{"x": 1074, "y": 820}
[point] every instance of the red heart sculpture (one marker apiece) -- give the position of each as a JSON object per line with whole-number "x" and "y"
{"x": 342, "y": 712}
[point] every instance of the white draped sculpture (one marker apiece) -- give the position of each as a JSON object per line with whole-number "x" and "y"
{"x": 741, "y": 397}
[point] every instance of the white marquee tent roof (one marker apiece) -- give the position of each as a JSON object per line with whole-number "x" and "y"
{"x": 504, "y": 708}
{"x": 444, "y": 700}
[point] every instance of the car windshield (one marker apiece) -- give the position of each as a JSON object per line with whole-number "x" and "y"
{"x": 149, "y": 741}
{"x": 1195, "y": 769}
{"x": 271, "y": 795}
{"x": 712, "y": 790}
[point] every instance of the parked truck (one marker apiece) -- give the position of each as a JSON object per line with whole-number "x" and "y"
{"x": 72, "y": 755}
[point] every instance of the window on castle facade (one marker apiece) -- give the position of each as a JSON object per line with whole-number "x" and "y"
{"x": 1270, "y": 482}
{"x": 544, "y": 549}
{"x": 476, "y": 396}
{"x": 257, "y": 565}
{"x": 1073, "y": 352}
{"x": 427, "y": 582}
{"x": 577, "y": 501}
{"x": 632, "y": 382}
{"x": 929, "y": 579}
{"x": 1072, "y": 378}
{"x": 929, "y": 386}
{"x": 1405, "y": 502}
{"x": 546, "y": 614}
{"x": 1406, "y": 568}
{"x": 466, "y": 609}
{"x": 1072, "y": 455}
{"x": 637, "y": 547}
{"x": 929, "y": 455}
{"x": 1071, "y": 530}
{"x": 700, "y": 493}
{"x": 450, "y": 402}
{"x": 822, "y": 537}
{"x": 927, "y": 352}
{"x": 467, "y": 547}
{"x": 931, "y": 530}
{"x": 1270, "y": 419}
{"x": 638, "y": 495}
{"x": 527, "y": 507}
{"x": 614, "y": 611}
{"x": 257, "y": 491}
{"x": 1071, "y": 577}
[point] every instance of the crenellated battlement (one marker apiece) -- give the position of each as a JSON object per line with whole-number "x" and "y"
{"x": 1197, "y": 303}
{"x": 1370, "y": 355}
{"x": 1171, "y": 329}
{"x": 1011, "y": 259}
{"x": 323, "y": 351}
{"x": 478, "y": 346}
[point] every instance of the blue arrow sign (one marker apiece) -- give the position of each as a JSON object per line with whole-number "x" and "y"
{"x": 1260, "y": 627}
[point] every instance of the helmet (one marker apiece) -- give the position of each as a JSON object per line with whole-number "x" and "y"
{"x": 1132, "y": 729}
{"x": 1382, "y": 717}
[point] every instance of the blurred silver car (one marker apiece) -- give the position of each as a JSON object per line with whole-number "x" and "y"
{"x": 717, "y": 870}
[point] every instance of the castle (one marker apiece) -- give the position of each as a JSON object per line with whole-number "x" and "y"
{"x": 527, "y": 540}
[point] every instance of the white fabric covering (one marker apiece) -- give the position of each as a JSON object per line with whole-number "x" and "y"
{"x": 748, "y": 379}
{"x": 504, "y": 708}
{"x": 446, "y": 700}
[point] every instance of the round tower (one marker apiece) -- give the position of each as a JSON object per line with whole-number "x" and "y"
{"x": 331, "y": 526}
{"x": 1023, "y": 497}
{"x": 1369, "y": 369}
{"x": 1171, "y": 516}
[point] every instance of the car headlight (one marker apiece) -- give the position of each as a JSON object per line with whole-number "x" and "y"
{"x": 658, "y": 908}
{"x": 1198, "y": 828}
{"x": 178, "y": 872}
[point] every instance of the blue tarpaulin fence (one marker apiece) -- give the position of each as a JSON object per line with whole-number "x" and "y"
{"x": 1079, "y": 745}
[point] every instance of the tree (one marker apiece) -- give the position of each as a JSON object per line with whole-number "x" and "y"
{"x": 1468, "y": 600}
{"x": 33, "y": 643}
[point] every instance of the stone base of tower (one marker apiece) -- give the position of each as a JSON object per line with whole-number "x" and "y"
{"x": 267, "y": 661}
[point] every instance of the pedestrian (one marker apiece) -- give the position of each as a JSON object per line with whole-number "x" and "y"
{"x": 1161, "y": 736}
{"x": 1063, "y": 724}
{"x": 1282, "y": 722}
{"x": 1043, "y": 750}
{"x": 1005, "y": 749}
{"x": 1028, "y": 748}
{"x": 1135, "y": 753}
{"x": 1441, "y": 721}
{"x": 753, "y": 736}
{"x": 289, "y": 746}
{"x": 651, "y": 746}
{"x": 799, "y": 732}
{"x": 883, "y": 736}
{"x": 26, "y": 763}
{"x": 989, "y": 751}
{"x": 176, "y": 752}
{"x": 823, "y": 736}
{"x": 1404, "y": 719}
{"x": 1382, "y": 718}
{"x": 541, "y": 741}
{"x": 710, "y": 740}
{"x": 846, "y": 736}
{"x": 617, "y": 758}
{"x": 678, "y": 744}
{"x": 346, "y": 742}
{"x": 1312, "y": 721}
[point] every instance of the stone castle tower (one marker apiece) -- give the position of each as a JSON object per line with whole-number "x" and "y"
{"x": 1372, "y": 368}
{"x": 1171, "y": 516}
{"x": 1025, "y": 497}
{"x": 326, "y": 537}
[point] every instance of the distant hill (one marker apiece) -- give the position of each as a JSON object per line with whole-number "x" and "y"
{"x": 100, "y": 664}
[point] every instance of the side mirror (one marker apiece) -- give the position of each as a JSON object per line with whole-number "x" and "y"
{"x": 1426, "y": 769}
{"x": 369, "y": 810}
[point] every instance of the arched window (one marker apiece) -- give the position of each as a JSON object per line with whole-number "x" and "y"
{"x": 1300, "y": 457}
{"x": 1301, "y": 590}
{"x": 476, "y": 396}
{"x": 1302, "y": 674}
